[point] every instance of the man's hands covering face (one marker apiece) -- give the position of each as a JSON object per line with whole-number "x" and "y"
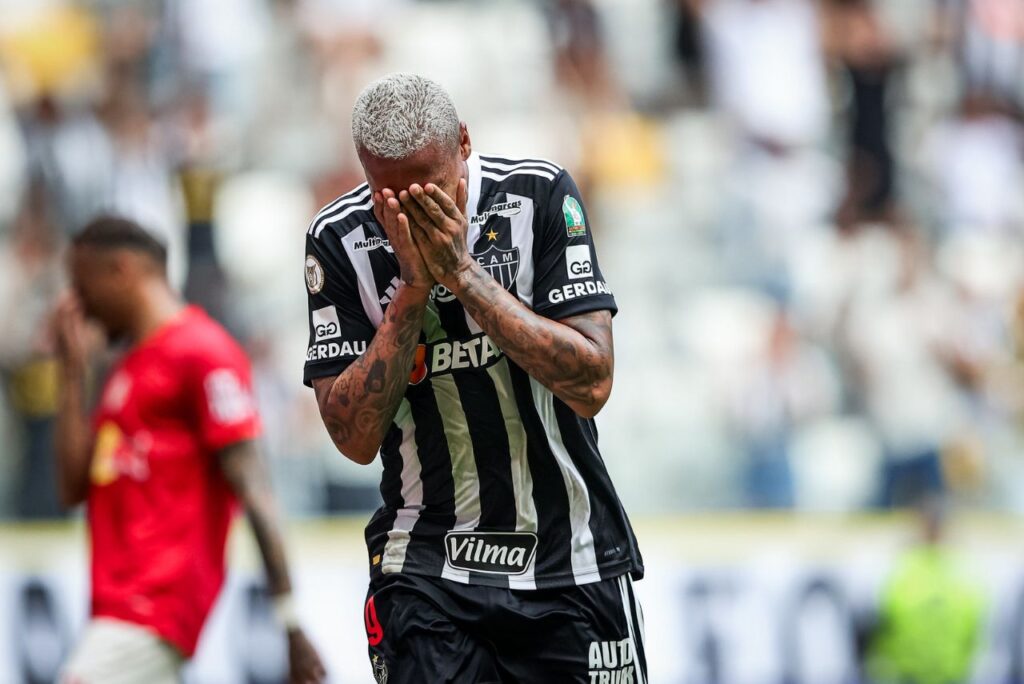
{"x": 438, "y": 226}
{"x": 396, "y": 226}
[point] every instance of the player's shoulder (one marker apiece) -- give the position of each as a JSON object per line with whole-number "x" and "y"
{"x": 202, "y": 340}
{"x": 528, "y": 175}
{"x": 343, "y": 214}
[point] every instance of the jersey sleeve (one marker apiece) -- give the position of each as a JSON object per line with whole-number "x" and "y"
{"x": 223, "y": 395}
{"x": 568, "y": 280}
{"x": 339, "y": 329}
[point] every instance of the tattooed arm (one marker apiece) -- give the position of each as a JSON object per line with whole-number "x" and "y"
{"x": 573, "y": 358}
{"x": 358, "y": 405}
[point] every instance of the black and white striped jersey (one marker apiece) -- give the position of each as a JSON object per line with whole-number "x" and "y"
{"x": 488, "y": 477}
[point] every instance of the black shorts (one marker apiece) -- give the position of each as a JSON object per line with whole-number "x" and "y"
{"x": 431, "y": 630}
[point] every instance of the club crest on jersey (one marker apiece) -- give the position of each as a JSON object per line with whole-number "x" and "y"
{"x": 575, "y": 225}
{"x": 495, "y": 553}
{"x": 502, "y": 264}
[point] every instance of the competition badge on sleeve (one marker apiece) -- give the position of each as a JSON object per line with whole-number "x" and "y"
{"x": 575, "y": 226}
{"x": 314, "y": 274}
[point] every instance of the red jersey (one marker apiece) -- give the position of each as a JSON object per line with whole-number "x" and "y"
{"x": 159, "y": 508}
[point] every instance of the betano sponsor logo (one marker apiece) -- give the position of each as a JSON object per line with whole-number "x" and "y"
{"x": 496, "y": 553}
{"x": 576, "y": 290}
{"x": 447, "y": 356}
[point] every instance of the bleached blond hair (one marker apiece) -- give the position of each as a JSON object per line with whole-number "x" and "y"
{"x": 398, "y": 115}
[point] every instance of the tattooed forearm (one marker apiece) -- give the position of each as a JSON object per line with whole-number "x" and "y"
{"x": 358, "y": 406}
{"x": 245, "y": 472}
{"x": 573, "y": 358}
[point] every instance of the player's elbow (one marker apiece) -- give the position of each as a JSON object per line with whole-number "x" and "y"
{"x": 354, "y": 445}
{"x": 70, "y": 496}
{"x": 590, "y": 402}
{"x": 363, "y": 455}
{"x": 362, "y": 458}
{"x": 594, "y": 406}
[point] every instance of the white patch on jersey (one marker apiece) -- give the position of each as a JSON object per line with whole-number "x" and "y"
{"x": 397, "y": 546}
{"x": 577, "y": 261}
{"x": 314, "y": 275}
{"x": 364, "y": 275}
{"x": 325, "y": 323}
{"x": 229, "y": 400}
{"x": 582, "y": 556}
{"x": 522, "y": 478}
{"x": 117, "y": 392}
{"x": 522, "y": 237}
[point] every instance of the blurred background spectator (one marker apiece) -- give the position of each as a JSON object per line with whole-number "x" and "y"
{"x": 932, "y": 613}
{"x": 810, "y": 211}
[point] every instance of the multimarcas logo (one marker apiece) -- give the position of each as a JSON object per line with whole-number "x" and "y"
{"x": 496, "y": 553}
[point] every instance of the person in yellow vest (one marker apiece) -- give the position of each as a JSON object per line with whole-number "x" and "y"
{"x": 931, "y": 614}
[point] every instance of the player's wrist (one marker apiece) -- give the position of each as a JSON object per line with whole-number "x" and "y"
{"x": 419, "y": 290}
{"x": 464, "y": 271}
{"x": 72, "y": 372}
{"x": 285, "y": 612}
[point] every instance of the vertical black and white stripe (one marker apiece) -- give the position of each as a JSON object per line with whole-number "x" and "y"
{"x": 482, "y": 447}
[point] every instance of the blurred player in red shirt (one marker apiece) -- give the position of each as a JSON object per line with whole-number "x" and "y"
{"x": 170, "y": 450}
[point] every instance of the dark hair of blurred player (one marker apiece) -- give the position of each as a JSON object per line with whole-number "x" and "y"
{"x": 170, "y": 447}
{"x": 119, "y": 273}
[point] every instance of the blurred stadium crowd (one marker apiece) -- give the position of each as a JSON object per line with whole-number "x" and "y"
{"x": 810, "y": 211}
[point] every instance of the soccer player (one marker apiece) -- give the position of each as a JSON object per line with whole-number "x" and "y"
{"x": 170, "y": 449}
{"x": 460, "y": 325}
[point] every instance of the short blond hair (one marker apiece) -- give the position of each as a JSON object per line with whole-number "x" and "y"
{"x": 400, "y": 114}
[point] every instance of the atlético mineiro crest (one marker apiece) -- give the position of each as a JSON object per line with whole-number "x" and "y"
{"x": 502, "y": 264}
